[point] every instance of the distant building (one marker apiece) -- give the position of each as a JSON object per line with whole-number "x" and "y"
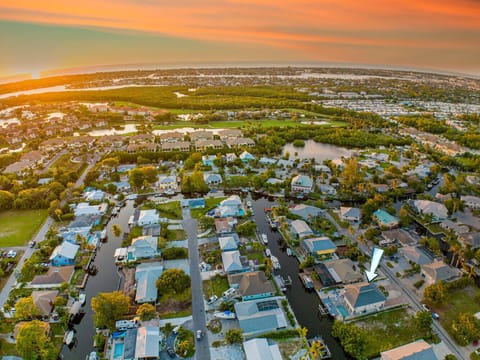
{"x": 417, "y": 350}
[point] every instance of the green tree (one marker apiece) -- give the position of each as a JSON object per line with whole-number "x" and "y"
{"x": 146, "y": 312}
{"x": 173, "y": 281}
{"x": 206, "y": 222}
{"x": 117, "y": 230}
{"x": 352, "y": 338}
{"x": 465, "y": 328}
{"x": 33, "y": 342}
{"x": 450, "y": 357}
{"x": 435, "y": 293}
{"x": 234, "y": 336}
{"x": 109, "y": 307}
{"x": 247, "y": 229}
{"x": 25, "y": 309}
{"x": 404, "y": 217}
{"x": 423, "y": 322}
{"x": 6, "y": 200}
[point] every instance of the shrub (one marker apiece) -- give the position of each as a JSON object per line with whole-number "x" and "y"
{"x": 174, "y": 253}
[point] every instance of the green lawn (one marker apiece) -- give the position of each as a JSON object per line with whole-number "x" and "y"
{"x": 170, "y": 210}
{"x": 17, "y": 227}
{"x": 210, "y": 204}
{"x": 388, "y": 330}
{"x": 215, "y": 286}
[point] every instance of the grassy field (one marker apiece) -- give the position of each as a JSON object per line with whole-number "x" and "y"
{"x": 388, "y": 330}
{"x": 215, "y": 286}
{"x": 170, "y": 210}
{"x": 210, "y": 204}
{"x": 17, "y": 227}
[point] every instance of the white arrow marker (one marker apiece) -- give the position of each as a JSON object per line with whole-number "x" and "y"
{"x": 376, "y": 256}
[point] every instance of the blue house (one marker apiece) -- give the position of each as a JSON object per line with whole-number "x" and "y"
{"x": 207, "y": 160}
{"x": 319, "y": 247}
{"x": 246, "y": 157}
{"x": 64, "y": 254}
{"x": 252, "y": 285}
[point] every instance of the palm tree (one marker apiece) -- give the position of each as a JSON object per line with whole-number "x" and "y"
{"x": 302, "y": 334}
{"x": 268, "y": 266}
{"x": 316, "y": 349}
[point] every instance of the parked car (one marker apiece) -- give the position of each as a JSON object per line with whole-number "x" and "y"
{"x": 32, "y": 243}
{"x": 171, "y": 353}
{"x": 229, "y": 293}
{"x": 212, "y": 299}
{"x": 199, "y": 335}
{"x": 425, "y": 307}
{"x": 11, "y": 254}
{"x": 435, "y": 316}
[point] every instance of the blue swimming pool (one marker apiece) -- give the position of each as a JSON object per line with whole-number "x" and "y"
{"x": 118, "y": 351}
{"x": 342, "y": 311}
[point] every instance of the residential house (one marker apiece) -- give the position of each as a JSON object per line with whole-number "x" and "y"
{"x": 168, "y": 182}
{"x": 363, "y": 298}
{"x": 319, "y": 247}
{"x": 175, "y": 146}
{"x": 229, "y": 134}
{"x": 51, "y": 145}
{"x": 227, "y": 243}
{"x": 344, "y": 271}
{"x": 415, "y": 254}
{"x": 146, "y": 275}
{"x": 225, "y": 225}
{"x": 385, "y": 220}
{"x": 327, "y": 189}
{"x": 132, "y": 148}
{"x": 252, "y": 285}
{"x": 350, "y": 214}
{"x": 64, "y": 254}
{"x": 239, "y": 142}
{"x": 147, "y": 345}
{"x": 472, "y": 202}
{"x": 230, "y": 157}
{"x": 256, "y": 349}
{"x": 54, "y": 277}
{"x": 44, "y": 300}
{"x": 455, "y": 227}
{"x": 93, "y": 210}
{"x": 399, "y": 236}
{"x": 208, "y": 144}
{"x": 233, "y": 262}
{"x": 212, "y": 179}
{"x": 148, "y": 217}
{"x": 246, "y": 157}
{"x": 260, "y": 316}
{"x": 302, "y": 184}
{"x": 35, "y": 157}
{"x": 267, "y": 161}
{"x": 470, "y": 239}
{"x": 230, "y": 207}
{"x": 306, "y": 212}
{"x": 322, "y": 169}
{"x": 426, "y": 207}
{"x": 417, "y": 350}
{"x": 171, "y": 137}
{"x": 300, "y": 229}
{"x": 143, "y": 247}
{"x": 201, "y": 135}
{"x": 208, "y": 160}
{"x": 439, "y": 271}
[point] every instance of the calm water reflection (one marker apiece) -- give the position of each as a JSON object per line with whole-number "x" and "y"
{"x": 318, "y": 151}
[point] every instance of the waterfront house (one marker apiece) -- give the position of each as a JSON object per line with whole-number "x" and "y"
{"x": 302, "y": 184}
{"x": 212, "y": 179}
{"x": 146, "y": 276}
{"x": 64, "y": 254}
{"x": 43, "y": 300}
{"x": 208, "y": 160}
{"x": 252, "y": 285}
{"x": 246, "y": 157}
{"x": 343, "y": 271}
{"x": 147, "y": 345}
{"x": 148, "y": 217}
{"x": 363, "y": 298}
{"x": 385, "y": 220}
{"x": 227, "y": 243}
{"x": 260, "y": 316}
{"x": 168, "y": 182}
{"x": 319, "y": 247}
{"x": 351, "y": 214}
{"x": 439, "y": 271}
{"x": 143, "y": 247}
{"x": 230, "y": 207}
{"x": 300, "y": 229}
{"x": 416, "y": 350}
{"x": 225, "y": 225}
{"x": 256, "y": 349}
{"x": 233, "y": 262}
{"x": 87, "y": 209}
{"x": 54, "y": 277}
{"x": 306, "y": 212}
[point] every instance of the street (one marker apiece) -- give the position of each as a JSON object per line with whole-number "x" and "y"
{"x": 198, "y": 305}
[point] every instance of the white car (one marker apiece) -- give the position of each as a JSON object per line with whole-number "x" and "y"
{"x": 11, "y": 254}
{"x": 212, "y": 299}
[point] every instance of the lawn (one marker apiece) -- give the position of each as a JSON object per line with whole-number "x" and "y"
{"x": 170, "y": 210}
{"x": 173, "y": 235}
{"x": 215, "y": 286}
{"x": 210, "y": 204}
{"x": 388, "y": 330}
{"x": 17, "y": 227}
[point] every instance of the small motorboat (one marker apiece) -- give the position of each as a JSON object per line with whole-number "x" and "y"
{"x": 265, "y": 239}
{"x": 92, "y": 356}
{"x": 289, "y": 251}
{"x": 275, "y": 262}
{"x": 225, "y": 315}
{"x": 69, "y": 337}
{"x": 82, "y": 298}
{"x": 268, "y": 253}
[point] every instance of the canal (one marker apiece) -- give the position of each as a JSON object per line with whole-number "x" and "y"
{"x": 106, "y": 280}
{"x": 304, "y": 304}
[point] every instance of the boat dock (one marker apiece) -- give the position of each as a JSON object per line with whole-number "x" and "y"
{"x": 283, "y": 283}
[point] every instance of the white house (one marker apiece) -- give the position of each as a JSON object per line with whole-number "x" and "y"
{"x": 300, "y": 229}
{"x": 302, "y": 184}
{"x": 148, "y": 217}
{"x": 212, "y": 179}
{"x": 143, "y": 247}
{"x": 87, "y": 209}
{"x": 350, "y": 214}
{"x": 472, "y": 202}
{"x": 167, "y": 182}
{"x": 437, "y": 210}
{"x": 256, "y": 349}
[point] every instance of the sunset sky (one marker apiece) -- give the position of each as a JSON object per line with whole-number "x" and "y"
{"x": 55, "y": 34}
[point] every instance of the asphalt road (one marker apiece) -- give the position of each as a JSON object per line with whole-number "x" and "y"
{"x": 198, "y": 305}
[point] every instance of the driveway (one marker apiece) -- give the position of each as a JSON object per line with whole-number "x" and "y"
{"x": 198, "y": 304}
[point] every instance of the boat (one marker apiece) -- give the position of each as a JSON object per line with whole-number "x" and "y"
{"x": 228, "y": 315}
{"x": 268, "y": 252}
{"x": 265, "y": 239}
{"x": 92, "y": 356}
{"x": 273, "y": 225}
{"x": 275, "y": 262}
{"x": 307, "y": 281}
{"x": 289, "y": 252}
{"x": 249, "y": 204}
{"x": 103, "y": 235}
{"x": 280, "y": 283}
{"x": 82, "y": 298}
{"x": 69, "y": 337}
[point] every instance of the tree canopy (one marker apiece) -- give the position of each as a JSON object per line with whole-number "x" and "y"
{"x": 33, "y": 341}
{"x": 173, "y": 281}
{"x": 109, "y": 307}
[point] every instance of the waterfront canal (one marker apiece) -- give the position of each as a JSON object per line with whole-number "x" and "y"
{"x": 304, "y": 304}
{"x": 106, "y": 280}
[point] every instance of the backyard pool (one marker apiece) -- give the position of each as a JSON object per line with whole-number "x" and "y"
{"x": 118, "y": 351}
{"x": 341, "y": 309}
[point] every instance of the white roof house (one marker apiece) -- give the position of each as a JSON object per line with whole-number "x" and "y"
{"x": 350, "y": 213}
{"x": 146, "y": 276}
{"x": 300, "y": 229}
{"x": 212, "y": 178}
{"x": 472, "y": 202}
{"x": 256, "y": 349}
{"x": 437, "y": 210}
{"x": 227, "y": 243}
{"x": 167, "y": 182}
{"x": 143, "y": 247}
{"x": 87, "y": 209}
{"x": 231, "y": 262}
{"x": 148, "y": 342}
{"x": 302, "y": 183}
{"x": 148, "y": 217}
